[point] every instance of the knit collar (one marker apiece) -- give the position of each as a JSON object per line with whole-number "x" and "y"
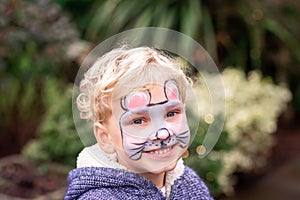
{"x": 94, "y": 156}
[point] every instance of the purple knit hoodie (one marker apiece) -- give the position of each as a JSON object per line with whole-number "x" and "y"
{"x": 111, "y": 184}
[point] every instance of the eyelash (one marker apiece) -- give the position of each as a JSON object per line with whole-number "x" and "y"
{"x": 174, "y": 112}
{"x": 139, "y": 121}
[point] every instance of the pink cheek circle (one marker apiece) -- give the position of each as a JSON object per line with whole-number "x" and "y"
{"x": 137, "y": 100}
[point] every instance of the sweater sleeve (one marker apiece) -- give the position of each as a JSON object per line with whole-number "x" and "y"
{"x": 190, "y": 186}
{"x": 97, "y": 194}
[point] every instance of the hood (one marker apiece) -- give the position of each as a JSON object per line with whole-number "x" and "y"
{"x": 94, "y": 156}
{"x": 90, "y": 179}
{"x": 100, "y": 170}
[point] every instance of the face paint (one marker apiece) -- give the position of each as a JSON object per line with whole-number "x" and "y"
{"x": 153, "y": 127}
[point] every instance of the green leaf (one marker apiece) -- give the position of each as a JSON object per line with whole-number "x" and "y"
{"x": 289, "y": 40}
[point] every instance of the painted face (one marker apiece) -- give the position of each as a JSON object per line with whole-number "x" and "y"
{"x": 153, "y": 126}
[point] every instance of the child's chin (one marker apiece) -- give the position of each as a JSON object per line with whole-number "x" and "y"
{"x": 167, "y": 168}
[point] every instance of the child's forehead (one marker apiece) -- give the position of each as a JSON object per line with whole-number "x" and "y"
{"x": 152, "y": 87}
{"x": 149, "y": 94}
{"x": 155, "y": 91}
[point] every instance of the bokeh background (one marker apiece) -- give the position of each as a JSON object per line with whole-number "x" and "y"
{"x": 255, "y": 44}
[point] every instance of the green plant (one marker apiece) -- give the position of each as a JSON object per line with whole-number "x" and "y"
{"x": 57, "y": 137}
{"x": 253, "y": 105}
{"x": 258, "y": 35}
{"x": 34, "y": 38}
{"x": 78, "y": 10}
{"x": 189, "y": 17}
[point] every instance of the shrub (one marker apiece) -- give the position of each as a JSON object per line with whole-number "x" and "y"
{"x": 34, "y": 37}
{"x": 57, "y": 137}
{"x": 253, "y": 105}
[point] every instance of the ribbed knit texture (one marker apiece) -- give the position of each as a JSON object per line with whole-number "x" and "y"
{"x": 89, "y": 183}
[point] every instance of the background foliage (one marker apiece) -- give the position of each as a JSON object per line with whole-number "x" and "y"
{"x": 33, "y": 38}
{"x": 35, "y": 67}
{"x": 58, "y": 140}
{"x": 246, "y": 141}
{"x": 252, "y": 35}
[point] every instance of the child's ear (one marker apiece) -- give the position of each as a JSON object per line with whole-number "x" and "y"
{"x": 103, "y": 138}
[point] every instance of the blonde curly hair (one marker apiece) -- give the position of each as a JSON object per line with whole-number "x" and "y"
{"x": 122, "y": 70}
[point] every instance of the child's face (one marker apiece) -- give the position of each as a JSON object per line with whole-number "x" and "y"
{"x": 150, "y": 128}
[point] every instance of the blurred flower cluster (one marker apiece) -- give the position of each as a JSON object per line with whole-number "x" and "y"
{"x": 253, "y": 105}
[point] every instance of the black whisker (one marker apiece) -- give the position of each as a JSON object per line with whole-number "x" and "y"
{"x": 182, "y": 137}
{"x": 139, "y": 143}
{"x": 181, "y": 141}
{"x": 136, "y": 153}
{"x": 183, "y": 132}
{"x": 137, "y": 148}
{"x": 182, "y": 146}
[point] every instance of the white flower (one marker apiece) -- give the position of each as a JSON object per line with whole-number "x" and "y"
{"x": 253, "y": 104}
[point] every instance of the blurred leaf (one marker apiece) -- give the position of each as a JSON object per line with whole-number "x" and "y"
{"x": 256, "y": 38}
{"x": 167, "y": 17}
{"x": 57, "y": 140}
{"x": 209, "y": 34}
{"x": 145, "y": 18}
{"x": 288, "y": 39}
{"x": 34, "y": 37}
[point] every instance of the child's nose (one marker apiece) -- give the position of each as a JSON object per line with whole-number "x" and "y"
{"x": 163, "y": 134}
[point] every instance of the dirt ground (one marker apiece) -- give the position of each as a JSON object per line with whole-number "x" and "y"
{"x": 25, "y": 179}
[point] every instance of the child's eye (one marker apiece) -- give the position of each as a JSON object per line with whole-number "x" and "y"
{"x": 171, "y": 114}
{"x": 138, "y": 121}
{"x": 143, "y": 121}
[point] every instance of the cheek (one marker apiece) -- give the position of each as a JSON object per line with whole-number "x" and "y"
{"x": 137, "y": 132}
{"x": 133, "y": 140}
{"x": 115, "y": 134}
{"x": 178, "y": 124}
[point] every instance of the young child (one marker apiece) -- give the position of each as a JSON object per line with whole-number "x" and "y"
{"x": 136, "y": 98}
